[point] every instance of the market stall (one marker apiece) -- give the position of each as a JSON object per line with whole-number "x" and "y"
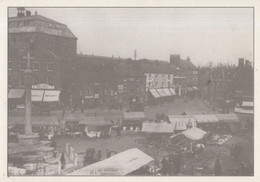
{"x": 151, "y": 127}
{"x": 207, "y": 122}
{"x": 182, "y": 122}
{"x": 132, "y": 121}
{"x": 120, "y": 164}
{"x": 96, "y": 127}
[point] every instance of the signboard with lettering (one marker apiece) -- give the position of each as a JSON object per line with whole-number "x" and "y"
{"x": 42, "y": 86}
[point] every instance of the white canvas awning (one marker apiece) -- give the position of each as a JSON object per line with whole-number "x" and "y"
{"x": 154, "y": 93}
{"x": 180, "y": 122}
{"x": 172, "y": 91}
{"x": 16, "y": 93}
{"x": 134, "y": 115}
{"x": 209, "y": 118}
{"x": 247, "y": 104}
{"x": 119, "y": 164}
{"x": 194, "y": 133}
{"x": 51, "y": 96}
{"x": 228, "y": 117}
{"x": 157, "y": 127}
{"x": 161, "y": 92}
{"x": 167, "y": 92}
{"x": 37, "y": 95}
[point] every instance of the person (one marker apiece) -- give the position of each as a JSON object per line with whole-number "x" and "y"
{"x": 217, "y": 168}
{"x": 108, "y": 153}
{"x": 82, "y": 105}
{"x": 118, "y": 130}
{"x": 98, "y": 155}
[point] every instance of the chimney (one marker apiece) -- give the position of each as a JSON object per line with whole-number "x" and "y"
{"x": 175, "y": 59}
{"x": 20, "y": 11}
{"x": 28, "y": 13}
{"x": 241, "y": 62}
{"x": 36, "y": 13}
{"x": 188, "y": 59}
{"x": 247, "y": 63}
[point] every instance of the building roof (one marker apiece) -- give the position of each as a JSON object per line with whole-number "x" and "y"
{"x": 157, "y": 67}
{"x": 185, "y": 64}
{"x": 39, "y": 24}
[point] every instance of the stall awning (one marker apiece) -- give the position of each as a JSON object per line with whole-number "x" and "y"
{"x": 134, "y": 115}
{"x": 94, "y": 121}
{"x": 167, "y": 92}
{"x": 154, "y": 93}
{"x": 194, "y": 133}
{"x": 51, "y": 96}
{"x": 161, "y": 92}
{"x": 157, "y": 127}
{"x": 180, "y": 122}
{"x": 172, "y": 91}
{"x": 16, "y": 93}
{"x": 37, "y": 95}
{"x": 195, "y": 88}
{"x": 228, "y": 117}
{"x": 209, "y": 118}
{"x": 119, "y": 164}
{"x": 247, "y": 104}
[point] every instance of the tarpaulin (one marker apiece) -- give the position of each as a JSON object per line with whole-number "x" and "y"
{"x": 119, "y": 164}
{"x": 157, "y": 127}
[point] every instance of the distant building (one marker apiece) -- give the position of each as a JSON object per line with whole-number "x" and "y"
{"x": 50, "y": 47}
{"x": 186, "y": 78}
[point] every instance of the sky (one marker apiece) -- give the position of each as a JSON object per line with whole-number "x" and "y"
{"x": 203, "y": 34}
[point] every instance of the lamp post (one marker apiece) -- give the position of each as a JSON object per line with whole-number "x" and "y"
{"x": 28, "y": 104}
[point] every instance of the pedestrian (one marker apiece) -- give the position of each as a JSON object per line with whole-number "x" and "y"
{"x": 98, "y": 155}
{"x": 82, "y": 105}
{"x": 118, "y": 129}
{"x": 108, "y": 153}
{"x": 217, "y": 168}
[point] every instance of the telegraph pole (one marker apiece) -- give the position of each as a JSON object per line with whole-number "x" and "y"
{"x": 135, "y": 55}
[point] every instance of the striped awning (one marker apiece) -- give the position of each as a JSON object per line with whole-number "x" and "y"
{"x": 168, "y": 93}
{"x": 154, "y": 93}
{"x": 16, "y": 93}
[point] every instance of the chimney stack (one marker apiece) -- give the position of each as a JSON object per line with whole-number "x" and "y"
{"x": 188, "y": 58}
{"x": 28, "y": 13}
{"x": 175, "y": 59}
{"x": 20, "y": 11}
{"x": 241, "y": 62}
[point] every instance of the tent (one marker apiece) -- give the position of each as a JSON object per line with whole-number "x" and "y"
{"x": 180, "y": 122}
{"x": 133, "y": 121}
{"x": 209, "y": 118}
{"x": 120, "y": 164}
{"x": 157, "y": 127}
{"x": 194, "y": 133}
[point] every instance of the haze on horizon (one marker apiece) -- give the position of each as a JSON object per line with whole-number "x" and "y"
{"x": 204, "y": 34}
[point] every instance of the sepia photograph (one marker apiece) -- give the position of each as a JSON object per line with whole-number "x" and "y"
{"x": 130, "y": 91}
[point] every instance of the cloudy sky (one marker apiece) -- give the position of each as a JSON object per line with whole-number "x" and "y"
{"x": 204, "y": 34}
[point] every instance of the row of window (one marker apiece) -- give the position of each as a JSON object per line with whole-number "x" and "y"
{"x": 157, "y": 75}
{"x": 157, "y": 84}
{"x": 35, "y": 81}
{"x": 35, "y": 66}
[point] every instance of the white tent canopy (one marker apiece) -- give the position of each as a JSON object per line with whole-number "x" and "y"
{"x": 180, "y": 121}
{"x": 209, "y": 118}
{"x": 194, "y": 133}
{"x": 119, "y": 164}
{"x": 228, "y": 117}
{"x": 157, "y": 127}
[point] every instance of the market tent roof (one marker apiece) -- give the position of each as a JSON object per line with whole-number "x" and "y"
{"x": 248, "y": 104}
{"x": 167, "y": 92}
{"x": 161, "y": 92}
{"x": 195, "y": 88}
{"x": 94, "y": 121}
{"x": 228, "y": 117}
{"x": 134, "y": 115}
{"x": 119, "y": 164}
{"x": 51, "y": 96}
{"x": 172, "y": 91}
{"x": 16, "y": 93}
{"x": 37, "y": 95}
{"x": 194, "y": 133}
{"x": 209, "y": 118}
{"x": 157, "y": 127}
{"x": 154, "y": 93}
{"x": 180, "y": 121}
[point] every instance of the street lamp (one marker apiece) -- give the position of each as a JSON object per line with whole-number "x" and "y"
{"x": 28, "y": 104}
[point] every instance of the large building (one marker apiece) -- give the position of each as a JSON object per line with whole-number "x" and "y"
{"x": 48, "y": 45}
{"x": 186, "y": 78}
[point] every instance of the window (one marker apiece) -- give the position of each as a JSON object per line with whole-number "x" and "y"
{"x": 50, "y": 67}
{"x": 23, "y": 65}
{"x": 9, "y": 65}
{"x": 36, "y": 66}
{"x": 21, "y": 81}
{"x": 50, "y": 80}
{"x": 36, "y": 80}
